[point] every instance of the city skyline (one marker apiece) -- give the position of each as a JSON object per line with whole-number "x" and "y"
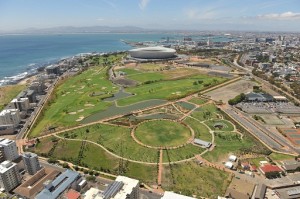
{"x": 276, "y": 15}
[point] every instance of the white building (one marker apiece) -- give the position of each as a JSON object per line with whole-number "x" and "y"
{"x": 172, "y": 195}
{"x": 31, "y": 163}
{"x": 10, "y": 149}
{"x": 155, "y": 52}
{"x": 121, "y": 188}
{"x": 9, "y": 176}
{"x": 22, "y": 104}
{"x": 10, "y": 116}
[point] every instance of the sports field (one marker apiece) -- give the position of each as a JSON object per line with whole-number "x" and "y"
{"x": 162, "y": 133}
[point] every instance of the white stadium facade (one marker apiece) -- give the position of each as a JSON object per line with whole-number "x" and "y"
{"x": 152, "y": 53}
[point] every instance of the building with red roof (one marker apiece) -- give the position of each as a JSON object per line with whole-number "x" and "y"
{"x": 269, "y": 168}
{"x": 72, "y": 194}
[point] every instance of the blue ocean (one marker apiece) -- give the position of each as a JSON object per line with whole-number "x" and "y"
{"x": 24, "y": 53}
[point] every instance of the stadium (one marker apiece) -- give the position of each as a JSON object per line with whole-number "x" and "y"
{"x": 152, "y": 53}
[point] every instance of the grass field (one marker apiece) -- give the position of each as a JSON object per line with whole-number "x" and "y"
{"x": 72, "y": 102}
{"x": 96, "y": 158}
{"x": 115, "y": 139}
{"x": 279, "y": 157}
{"x": 201, "y": 131}
{"x": 192, "y": 179}
{"x": 162, "y": 133}
{"x": 227, "y": 126}
{"x": 171, "y": 89}
{"x": 227, "y": 142}
{"x": 206, "y": 112}
{"x": 181, "y": 153}
{"x": 198, "y": 101}
{"x": 7, "y": 93}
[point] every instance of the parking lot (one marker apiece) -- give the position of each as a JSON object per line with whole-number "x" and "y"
{"x": 269, "y": 107}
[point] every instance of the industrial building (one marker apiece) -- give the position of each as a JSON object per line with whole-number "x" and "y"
{"x": 10, "y": 116}
{"x": 202, "y": 143}
{"x": 9, "y": 176}
{"x": 31, "y": 163}
{"x": 259, "y": 97}
{"x": 152, "y": 53}
{"x": 53, "y": 189}
{"x": 35, "y": 184}
{"x": 10, "y": 149}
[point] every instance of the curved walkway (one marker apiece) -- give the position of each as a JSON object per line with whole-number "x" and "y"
{"x": 190, "y": 140}
{"x": 126, "y": 159}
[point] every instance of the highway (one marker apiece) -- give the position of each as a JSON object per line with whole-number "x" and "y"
{"x": 253, "y": 129}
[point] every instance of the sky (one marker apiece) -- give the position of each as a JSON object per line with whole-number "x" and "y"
{"x": 260, "y": 15}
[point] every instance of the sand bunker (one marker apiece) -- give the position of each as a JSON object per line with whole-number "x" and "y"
{"x": 81, "y": 110}
{"x": 80, "y": 118}
{"x": 72, "y": 113}
{"x": 89, "y": 105}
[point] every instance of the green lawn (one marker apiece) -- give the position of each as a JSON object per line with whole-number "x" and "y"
{"x": 186, "y": 105}
{"x": 116, "y": 139}
{"x": 201, "y": 131}
{"x": 7, "y": 93}
{"x": 182, "y": 153}
{"x": 198, "y": 101}
{"x": 206, "y": 112}
{"x": 228, "y": 142}
{"x": 192, "y": 179}
{"x": 73, "y": 100}
{"x": 279, "y": 156}
{"x": 145, "y": 173}
{"x": 162, "y": 133}
{"x": 171, "y": 89}
{"x": 227, "y": 126}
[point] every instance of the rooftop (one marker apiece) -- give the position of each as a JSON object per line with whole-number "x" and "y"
{"x": 72, "y": 194}
{"x": 172, "y": 195}
{"x": 6, "y": 165}
{"x": 270, "y": 168}
{"x": 35, "y": 184}
{"x": 59, "y": 185}
{"x": 8, "y": 111}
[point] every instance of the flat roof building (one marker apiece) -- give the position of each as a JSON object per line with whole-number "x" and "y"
{"x": 31, "y": 163}
{"x": 53, "y": 189}
{"x": 10, "y": 149}
{"x": 22, "y": 104}
{"x": 35, "y": 184}
{"x": 202, "y": 143}
{"x": 10, "y": 116}
{"x": 290, "y": 165}
{"x": 172, "y": 195}
{"x": 9, "y": 175}
{"x": 122, "y": 188}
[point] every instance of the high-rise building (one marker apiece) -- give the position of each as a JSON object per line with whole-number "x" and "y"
{"x": 9, "y": 175}
{"x": 22, "y": 104}
{"x": 31, "y": 163}
{"x": 10, "y": 149}
{"x": 10, "y": 116}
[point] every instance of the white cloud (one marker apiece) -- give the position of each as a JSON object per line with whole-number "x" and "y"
{"x": 143, "y": 4}
{"x": 280, "y": 16}
{"x": 100, "y": 19}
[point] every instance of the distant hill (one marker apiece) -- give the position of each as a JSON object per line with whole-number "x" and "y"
{"x": 72, "y": 29}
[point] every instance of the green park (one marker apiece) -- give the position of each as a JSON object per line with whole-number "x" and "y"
{"x": 88, "y": 123}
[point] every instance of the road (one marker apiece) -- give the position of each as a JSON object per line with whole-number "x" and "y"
{"x": 264, "y": 82}
{"x": 273, "y": 142}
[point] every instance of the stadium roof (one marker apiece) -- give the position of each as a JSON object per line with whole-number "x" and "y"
{"x": 153, "y": 49}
